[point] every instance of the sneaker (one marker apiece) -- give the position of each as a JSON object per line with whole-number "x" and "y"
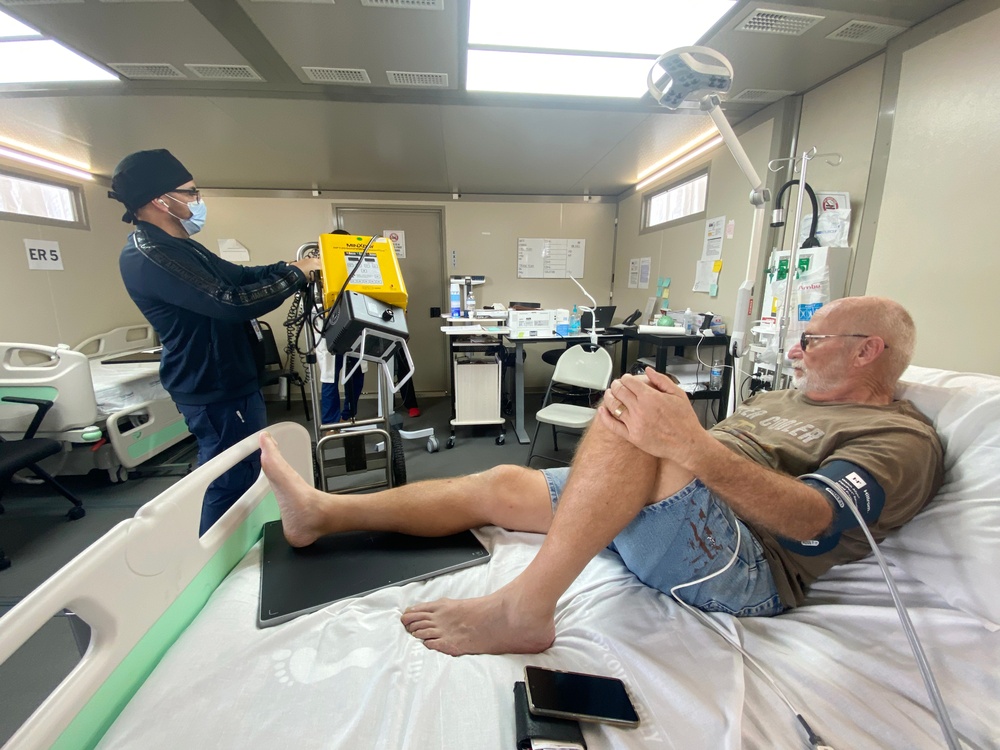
{"x": 414, "y": 412}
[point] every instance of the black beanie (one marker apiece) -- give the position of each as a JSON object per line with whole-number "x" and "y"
{"x": 144, "y": 175}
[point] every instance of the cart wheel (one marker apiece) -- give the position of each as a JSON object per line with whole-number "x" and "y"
{"x": 76, "y": 512}
{"x": 451, "y": 443}
{"x": 398, "y": 458}
{"x": 122, "y": 474}
{"x": 501, "y": 439}
{"x": 432, "y": 445}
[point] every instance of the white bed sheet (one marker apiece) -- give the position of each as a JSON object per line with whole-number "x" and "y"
{"x": 118, "y": 387}
{"x": 349, "y": 676}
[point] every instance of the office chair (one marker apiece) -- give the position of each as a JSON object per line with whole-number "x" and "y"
{"x": 274, "y": 371}
{"x": 579, "y": 368}
{"x": 25, "y": 453}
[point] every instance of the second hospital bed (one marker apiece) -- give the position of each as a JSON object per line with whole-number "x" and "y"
{"x": 175, "y": 658}
{"x": 109, "y": 415}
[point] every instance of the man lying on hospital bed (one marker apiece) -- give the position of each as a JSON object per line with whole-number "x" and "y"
{"x": 676, "y": 502}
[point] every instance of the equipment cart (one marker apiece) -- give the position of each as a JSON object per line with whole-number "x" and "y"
{"x": 476, "y": 366}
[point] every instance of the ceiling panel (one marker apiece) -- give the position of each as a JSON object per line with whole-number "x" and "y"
{"x": 283, "y": 132}
{"x": 349, "y": 35}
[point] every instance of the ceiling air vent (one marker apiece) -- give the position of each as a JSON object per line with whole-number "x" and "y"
{"x": 147, "y": 71}
{"x": 759, "y": 96}
{"x": 425, "y": 80}
{"x": 337, "y": 75}
{"x": 224, "y": 72}
{"x": 15, "y": 3}
{"x": 765, "y": 21}
{"x": 866, "y": 32}
{"x": 413, "y": 4}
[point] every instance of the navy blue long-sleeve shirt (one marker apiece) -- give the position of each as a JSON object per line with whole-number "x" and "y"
{"x": 201, "y": 307}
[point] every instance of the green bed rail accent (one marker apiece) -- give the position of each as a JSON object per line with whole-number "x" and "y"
{"x": 43, "y": 392}
{"x": 143, "y": 446}
{"x": 101, "y": 711}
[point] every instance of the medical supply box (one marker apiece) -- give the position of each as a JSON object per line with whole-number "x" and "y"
{"x": 530, "y": 323}
{"x": 378, "y": 277}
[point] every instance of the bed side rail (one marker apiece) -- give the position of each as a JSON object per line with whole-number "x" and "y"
{"x": 118, "y": 340}
{"x": 50, "y": 373}
{"x": 137, "y": 588}
{"x": 142, "y": 431}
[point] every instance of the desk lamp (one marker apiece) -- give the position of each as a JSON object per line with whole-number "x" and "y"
{"x": 591, "y": 310}
{"x": 696, "y": 74}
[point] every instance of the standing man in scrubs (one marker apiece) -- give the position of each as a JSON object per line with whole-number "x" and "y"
{"x": 204, "y": 311}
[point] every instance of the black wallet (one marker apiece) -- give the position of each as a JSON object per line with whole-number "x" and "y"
{"x": 539, "y": 728}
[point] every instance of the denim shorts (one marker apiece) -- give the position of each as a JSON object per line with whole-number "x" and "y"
{"x": 686, "y": 537}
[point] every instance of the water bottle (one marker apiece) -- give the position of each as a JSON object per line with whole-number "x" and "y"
{"x": 456, "y": 301}
{"x": 470, "y": 303}
{"x": 689, "y": 322}
{"x": 574, "y": 322}
{"x": 715, "y": 375}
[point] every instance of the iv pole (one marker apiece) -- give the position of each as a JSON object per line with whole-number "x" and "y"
{"x": 793, "y": 256}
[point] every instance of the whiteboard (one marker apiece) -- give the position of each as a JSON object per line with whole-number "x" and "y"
{"x": 544, "y": 258}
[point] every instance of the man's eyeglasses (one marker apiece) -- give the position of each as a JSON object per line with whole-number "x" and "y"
{"x": 805, "y": 338}
{"x": 193, "y": 192}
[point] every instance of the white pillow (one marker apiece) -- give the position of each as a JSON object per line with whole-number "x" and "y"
{"x": 953, "y": 545}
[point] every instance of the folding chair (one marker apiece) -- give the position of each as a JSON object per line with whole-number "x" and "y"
{"x": 579, "y": 368}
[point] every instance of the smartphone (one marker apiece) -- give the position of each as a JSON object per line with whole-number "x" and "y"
{"x": 573, "y": 695}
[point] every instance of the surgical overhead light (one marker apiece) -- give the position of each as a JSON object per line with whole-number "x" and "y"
{"x": 700, "y": 74}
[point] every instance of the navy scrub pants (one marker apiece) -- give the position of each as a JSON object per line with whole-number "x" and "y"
{"x": 217, "y": 427}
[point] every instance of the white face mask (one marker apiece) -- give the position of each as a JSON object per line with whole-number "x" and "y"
{"x": 199, "y": 211}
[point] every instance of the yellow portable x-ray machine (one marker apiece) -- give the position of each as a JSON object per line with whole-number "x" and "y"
{"x": 378, "y": 277}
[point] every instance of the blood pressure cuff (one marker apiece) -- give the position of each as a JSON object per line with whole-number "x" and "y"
{"x": 838, "y": 480}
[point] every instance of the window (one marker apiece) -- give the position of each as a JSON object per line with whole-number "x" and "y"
{"x": 678, "y": 201}
{"x": 26, "y": 198}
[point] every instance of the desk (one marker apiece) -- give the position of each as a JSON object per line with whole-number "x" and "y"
{"x": 662, "y": 344}
{"x": 611, "y": 335}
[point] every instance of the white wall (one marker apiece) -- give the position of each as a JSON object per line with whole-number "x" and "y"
{"x": 674, "y": 250}
{"x": 87, "y": 297}
{"x": 936, "y": 247}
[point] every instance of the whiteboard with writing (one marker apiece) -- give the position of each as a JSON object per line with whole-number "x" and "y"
{"x": 541, "y": 258}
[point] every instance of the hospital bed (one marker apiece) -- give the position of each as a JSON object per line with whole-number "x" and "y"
{"x": 176, "y": 660}
{"x": 112, "y": 417}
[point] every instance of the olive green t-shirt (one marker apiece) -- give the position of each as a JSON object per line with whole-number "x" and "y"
{"x": 790, "y": 433}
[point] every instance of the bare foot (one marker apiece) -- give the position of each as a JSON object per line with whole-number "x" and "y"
{"x": 301, "y": 513}
{"x": 491, "y": 624}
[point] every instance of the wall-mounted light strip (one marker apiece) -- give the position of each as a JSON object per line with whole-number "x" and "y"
{"x": 37, "y": 161}
{"x": 689, "y": 156}
{"x": 678, "y": 152}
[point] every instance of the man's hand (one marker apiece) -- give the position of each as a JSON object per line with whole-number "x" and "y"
{"x": 306, "y": 265}
{"x": 654, "y": 414}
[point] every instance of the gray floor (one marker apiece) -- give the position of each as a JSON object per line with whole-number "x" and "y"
{"x": 39, "y": 540}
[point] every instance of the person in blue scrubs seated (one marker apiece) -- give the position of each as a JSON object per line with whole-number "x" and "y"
{"x": 204, "y": 311}
{"x": 740, "y": 518}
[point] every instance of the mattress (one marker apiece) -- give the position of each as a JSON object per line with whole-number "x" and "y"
{"x": 121, "y": 386}
{"x": 350, "y": 676}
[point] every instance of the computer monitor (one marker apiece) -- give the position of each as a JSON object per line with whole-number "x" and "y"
{"x": 603, "y": 314}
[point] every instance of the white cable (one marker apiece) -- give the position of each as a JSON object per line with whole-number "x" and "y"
{"x": 814, "y": 739}
{"x": 930, "y": 683}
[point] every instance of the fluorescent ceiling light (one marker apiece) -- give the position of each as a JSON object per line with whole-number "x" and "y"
{"x": 11, "y": 28}
{"x": 44, "y": 164}
{"x": 570, "y": 75}
{"x": 46, "y": 60}
{"x": 689, "y": 156}
{"x": 642, "y": 27}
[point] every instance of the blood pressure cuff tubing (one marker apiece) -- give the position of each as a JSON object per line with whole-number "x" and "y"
{"x": 840, "y": 481}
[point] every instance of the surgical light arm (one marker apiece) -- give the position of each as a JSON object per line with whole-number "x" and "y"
{"x": 690, "y": 79}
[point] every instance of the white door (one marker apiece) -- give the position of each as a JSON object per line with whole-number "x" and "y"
{"x": 422, "y": 231}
